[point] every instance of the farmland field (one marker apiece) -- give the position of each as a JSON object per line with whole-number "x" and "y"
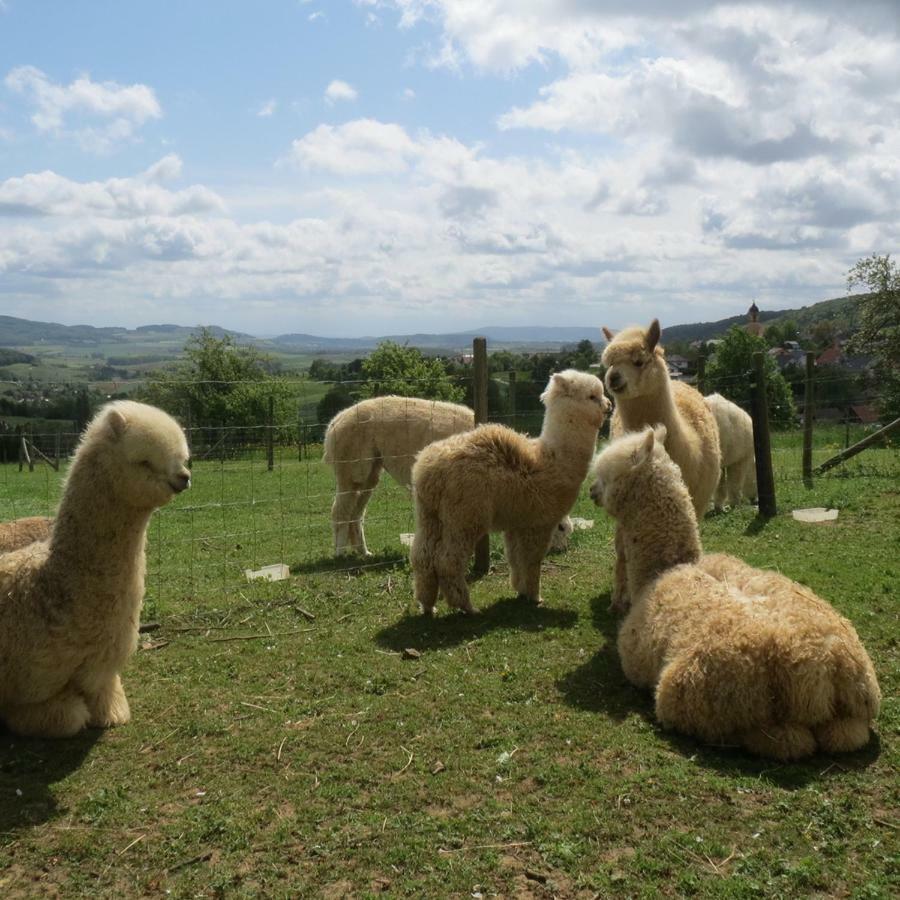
{"x": 284, "y": 743}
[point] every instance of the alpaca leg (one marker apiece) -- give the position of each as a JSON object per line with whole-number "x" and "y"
{"x": 721, "y": 499}
{"x": 529, "y": 549}
{"x": 745, "y": 479}
{"x": 620, "y": 599}
{"x": 356, "y": 481}
{"x": 108, "y": 707}
{"x": 421, "y": 559}
{"x": 513, "y": 545}
{"x": 842, "y": 735}
{"x": 450, "y": 557}
{"x": 60, "y": 716}
{"x": 786, "y": 741}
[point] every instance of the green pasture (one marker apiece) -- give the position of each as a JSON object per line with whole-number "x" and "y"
{"x": 316, "y": 737}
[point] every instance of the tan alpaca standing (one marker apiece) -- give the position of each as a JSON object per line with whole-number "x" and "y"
{"x": 736, "y": 655}
{"x": 70, "y": 606}
{"x": 380, "y": 433}
{"x": 638, "y": 378}
{"x": 494, "y": 479}
{"x": 738, "y": 476}
{"x": 22, "y": 532}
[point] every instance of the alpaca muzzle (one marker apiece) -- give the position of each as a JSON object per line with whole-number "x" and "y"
{"x": 180, "y": 483}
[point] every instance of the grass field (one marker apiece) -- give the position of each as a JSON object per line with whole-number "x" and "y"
{"x": 284, "y": 743}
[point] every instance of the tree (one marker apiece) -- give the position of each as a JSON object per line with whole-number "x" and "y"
{"x": 395, "y": 369}
{"x": 219, "y": 381}
{"x": 878, "y": 331}
{"x": 729, "y": 373}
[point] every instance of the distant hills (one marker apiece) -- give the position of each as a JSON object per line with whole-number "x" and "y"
{"x": 16, "y": 332}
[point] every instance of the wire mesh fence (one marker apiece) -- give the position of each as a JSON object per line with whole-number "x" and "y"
{"x": 262, "y": 493}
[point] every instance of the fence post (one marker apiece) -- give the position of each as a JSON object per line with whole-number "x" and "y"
{"x": 480, "y": 403}
{"x": 189, "y": 434}
{"x": 808, "y": 419}
{"x": 701, "y": 373}
{"x": 270, "y": 435}
{"x": 765, "y": 482}
{"x": 512, "y": 398}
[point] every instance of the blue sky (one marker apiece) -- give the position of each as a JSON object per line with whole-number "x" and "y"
{"x": 372, "y": 166}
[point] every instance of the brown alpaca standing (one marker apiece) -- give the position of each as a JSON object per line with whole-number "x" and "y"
{"x": 736, "y": 655}
{"x": 494, "y": 479}
{"x": 70, "y": 606}
{"x": 638, "y": 378}
{"x": 22, "y": 532}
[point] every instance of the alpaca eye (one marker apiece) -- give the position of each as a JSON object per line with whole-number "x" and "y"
{"x": 592, "y": 397}
{"x": 146, "y": 464}
{"x": 638, "y": 362}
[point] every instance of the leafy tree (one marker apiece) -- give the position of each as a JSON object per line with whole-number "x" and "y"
{"x": 879, "y": 325}
{"x": 219, "y": 381}
{"x": 777, "y": 334}
{"x": 396, "y": 369}
{"x": 729, "y": 373}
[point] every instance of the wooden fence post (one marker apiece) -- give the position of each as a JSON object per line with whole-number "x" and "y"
{"x": 480, "y": 403}
{"x": 270, "y": 435}
{"x": 859, "y": 446}
{"x": 808, "y": 419}
{"x": 762, "y": 447}
{"x": 20, "y": 443}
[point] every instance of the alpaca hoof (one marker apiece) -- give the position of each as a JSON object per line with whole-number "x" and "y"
{"x": 527, "y": 598}
{"x": 428, "y": 611}
{"x": 619, "y": 603}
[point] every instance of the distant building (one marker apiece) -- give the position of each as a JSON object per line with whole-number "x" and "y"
{"x": 786, "y": 356}
{"x": 754, "y": 326}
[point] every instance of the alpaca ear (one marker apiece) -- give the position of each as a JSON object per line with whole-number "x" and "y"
{"x": 116, "y": 422}
{"x": 660, "y": 432}
{"x": 644, "y": 449}
{"x": 607, "y": 333}
{"x": 653, "y": 334}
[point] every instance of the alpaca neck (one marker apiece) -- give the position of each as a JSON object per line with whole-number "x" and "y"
{"x": 95, "y": 533}
{"x": 659, "y": 526}
{"x": 652, "y": 409}
{"x": 569, "y": 438}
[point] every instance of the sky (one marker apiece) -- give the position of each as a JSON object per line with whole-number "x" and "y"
{"x": 360, "y": 167}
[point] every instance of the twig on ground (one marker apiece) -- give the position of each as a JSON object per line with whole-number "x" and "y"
{"x": 399, "y": 772}
{"x": 200, "y": 857}
{"x": 255, "y": 637}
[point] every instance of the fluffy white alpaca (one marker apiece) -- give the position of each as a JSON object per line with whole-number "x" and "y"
{"x": 738, "y": 476}
{"x": 735, "y": 655}
{"x": 70, "y": 606}
{"x": 638, "y": 378}
{"x": 380, "y": 433}
{"x": 22, "y": 532}
{"x": 494, "y": 479}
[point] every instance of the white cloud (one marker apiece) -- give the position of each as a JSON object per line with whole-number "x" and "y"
{"x": 123, "y": 108}
{"x": 339, "y": 91}
{"x": 267, "y": 109}
{"x": 360, "y": 147}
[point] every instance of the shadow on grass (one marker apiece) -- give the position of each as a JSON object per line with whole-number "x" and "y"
{"x": 354, "y": 565}
{"x": 28, "y": 768}
{"x": 600, "y": 686}
{"x": 757, "y": 525}
{"x": 450, "y": 630}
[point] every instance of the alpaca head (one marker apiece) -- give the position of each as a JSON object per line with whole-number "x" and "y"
{"x": 139, "y": 452}
{"x": 625, "y": 458}
{"x": 635, "y": 362}
{"x": 578, "y": 392}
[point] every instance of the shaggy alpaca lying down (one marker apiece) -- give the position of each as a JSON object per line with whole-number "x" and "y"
{"x": 22, "y": 532}
{"x": 70, "y": 606}
{"x": 736, "y": 655}
{"x": 494, "y": 479}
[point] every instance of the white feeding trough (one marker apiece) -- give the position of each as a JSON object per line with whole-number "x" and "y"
{"x": 815, "y": 514}
{"x": 275, "y": 572}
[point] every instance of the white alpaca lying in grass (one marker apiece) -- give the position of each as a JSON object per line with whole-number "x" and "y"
{"x": 738, "y": 476}
{"x": 22, "y": 532}
{"x": 735, "y": 655}
{"x": 380, "y": 433}
{"x": 70, "y": 606}
{"x": 494, "y": 479}
{"x": 638, "y": 378}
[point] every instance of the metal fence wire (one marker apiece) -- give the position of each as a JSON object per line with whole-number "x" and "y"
{"x": 262, "y": 493}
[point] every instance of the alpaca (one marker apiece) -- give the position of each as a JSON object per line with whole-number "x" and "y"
{"x": 494, "y": 479}
{"x": 22, "y": 532}
{"x": 736, "y": 655}
{"x": 69, "y": 606}
{"x": 738, "y": 476}
{"x": 638, "y": 378}
{"x": 380, "y": 433}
